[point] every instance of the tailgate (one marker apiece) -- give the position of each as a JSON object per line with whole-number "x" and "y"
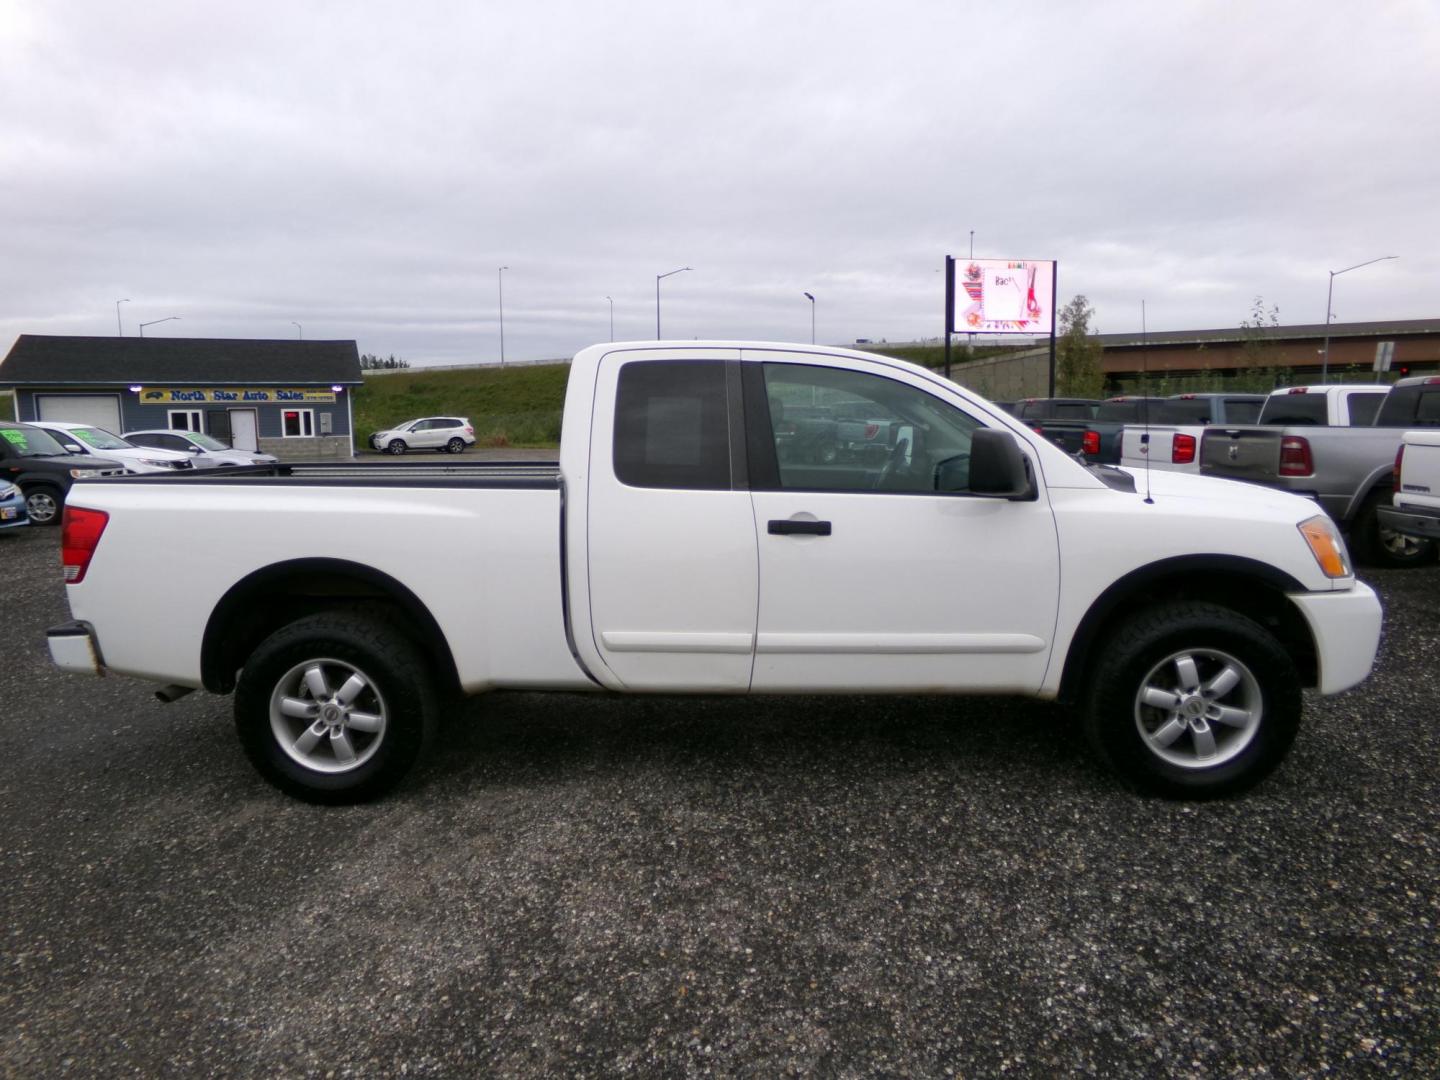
{"x": 1066, "y": 434}
{"x": 1247, "y": 453}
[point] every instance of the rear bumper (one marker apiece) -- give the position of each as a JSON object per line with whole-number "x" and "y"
{"x": 73, "y": 648}
{"x": 1346, "y": 628}
{"x": 1412, "y": 522}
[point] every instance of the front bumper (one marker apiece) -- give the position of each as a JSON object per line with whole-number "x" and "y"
{"x": 1346, "y": 629}
{"x": 1424, "y": 524}
{"x": 73, "y": 648}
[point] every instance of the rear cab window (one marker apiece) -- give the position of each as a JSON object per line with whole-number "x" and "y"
{"x": 672, "y": 426}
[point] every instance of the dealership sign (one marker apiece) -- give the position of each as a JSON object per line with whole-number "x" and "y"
{"x": 238, "y": 396}
{"x": 1000, "y": 296}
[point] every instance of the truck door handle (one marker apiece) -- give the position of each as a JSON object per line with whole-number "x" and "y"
{"x": 799, "y": 528}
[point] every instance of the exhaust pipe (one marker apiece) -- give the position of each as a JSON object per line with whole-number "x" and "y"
{"x": 173, "y": 692}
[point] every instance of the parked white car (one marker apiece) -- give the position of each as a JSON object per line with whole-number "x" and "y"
{"x": 87, "y": 440}
{"x": 207, "y": 452}
{"x": 451, "y": 433}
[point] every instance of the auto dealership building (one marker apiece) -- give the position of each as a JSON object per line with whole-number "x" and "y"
{"x": 287, "y": 398}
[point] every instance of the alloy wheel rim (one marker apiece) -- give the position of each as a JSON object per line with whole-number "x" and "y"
{"x": 1198, "y": 708}
{"x": 327, "y": 715}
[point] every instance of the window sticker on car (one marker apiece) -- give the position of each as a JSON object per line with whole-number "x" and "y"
{"x": 17, "y": 438}
{"x": 85, "y": 435}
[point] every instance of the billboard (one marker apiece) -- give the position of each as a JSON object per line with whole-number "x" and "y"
{"x": 1004, "y": 296}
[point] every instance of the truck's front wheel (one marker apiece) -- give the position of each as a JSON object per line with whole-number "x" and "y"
{"x": 334, "y": 708}
{"x": 1193, "y": 701}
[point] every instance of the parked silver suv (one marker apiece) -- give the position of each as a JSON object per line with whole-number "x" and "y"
{"x": 452, "y": 433}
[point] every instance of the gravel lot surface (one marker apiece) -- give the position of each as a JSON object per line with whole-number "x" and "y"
{"x": 587, "y": 886}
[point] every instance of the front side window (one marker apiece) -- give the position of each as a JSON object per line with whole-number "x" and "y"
{"x": 841, "y": 430}
{"x": 672, "y": 425}
{"x": 297, "y": 423}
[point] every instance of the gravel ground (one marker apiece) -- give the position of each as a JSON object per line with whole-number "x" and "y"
{"x": 587, "y": 886}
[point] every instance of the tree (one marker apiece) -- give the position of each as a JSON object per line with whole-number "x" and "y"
{"x": 371, "y": 362}
{"x": 1077, "y": 354}
{"x": 1258, "y": 370}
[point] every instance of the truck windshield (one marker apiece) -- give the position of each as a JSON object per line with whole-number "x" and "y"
{"x": 31, "y": 442}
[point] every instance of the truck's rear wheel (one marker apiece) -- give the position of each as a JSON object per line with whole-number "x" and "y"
{"x": 1193, "y": 701}
{"x": 1376, "y": 545}
{"x": 334, "y": 708}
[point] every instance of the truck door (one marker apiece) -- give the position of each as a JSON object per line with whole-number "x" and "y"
{"x": 870, "y": 578}
{"x": 671, "y": 533}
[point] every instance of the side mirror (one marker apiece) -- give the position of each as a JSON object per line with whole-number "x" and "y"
{"x": 997, "y": 467}
{"x": 73, "y": 448}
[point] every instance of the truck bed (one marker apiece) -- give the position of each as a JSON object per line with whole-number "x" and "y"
{"x": 501, "y": 474}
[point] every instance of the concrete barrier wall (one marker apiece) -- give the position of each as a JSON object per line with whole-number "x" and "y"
{"x": 1006, "y": 378}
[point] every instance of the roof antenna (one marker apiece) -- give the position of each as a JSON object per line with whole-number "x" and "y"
{"x": 1145, "y": 399}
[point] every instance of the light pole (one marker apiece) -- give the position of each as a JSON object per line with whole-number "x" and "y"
{"x": 612, "y": 318}
{"x": 299, "y": 330}
{"x": 812, "y": 317}
{"x": 1330, "y": 292}
{"x": 152, "y": 322}
{"x": 500, "y": 282}
{"x": 118, "y": 331}
{"x": 657, "y": 295}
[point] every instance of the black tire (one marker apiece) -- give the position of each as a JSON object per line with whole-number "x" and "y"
{"x": 396, "y": 446}
{"x": 1376, "y": 545}
{"x": 1145, "y": 656}
{"x": 44, "y": 504}
{"x": 455, "y": 445}
{"x": 396, "y": 702}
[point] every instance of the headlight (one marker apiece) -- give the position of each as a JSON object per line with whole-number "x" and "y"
{"x": 159, "y": 463}
{"x": 86, "y": 474}
{"x": 1325, "y": 544}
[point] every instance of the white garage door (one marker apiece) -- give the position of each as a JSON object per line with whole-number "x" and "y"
{"x": 101, "y": 410}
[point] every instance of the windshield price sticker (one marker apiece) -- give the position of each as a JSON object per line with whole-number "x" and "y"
{"x": 15, "y": 437}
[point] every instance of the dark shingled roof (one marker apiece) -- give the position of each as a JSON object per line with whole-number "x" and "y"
{"x": 40, "y": 360}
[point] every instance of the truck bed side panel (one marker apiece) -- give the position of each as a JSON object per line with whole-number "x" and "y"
{"x": 484, "y": 561}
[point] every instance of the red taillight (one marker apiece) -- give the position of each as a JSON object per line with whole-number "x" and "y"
{"x": 79, "y": 536}
{"x": 1090, "y": 444}
{"x": 1037, "y": 431}
{"x": 871, "y": 430}
{"x": 1182, "y": 450}
{"x": 1395, "y": 473}
{"x": 1295, "y": 459}
{"x": 1299, "y": 390}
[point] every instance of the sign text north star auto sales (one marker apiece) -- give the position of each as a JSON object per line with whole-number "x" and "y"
{"x": 239, "y": 395}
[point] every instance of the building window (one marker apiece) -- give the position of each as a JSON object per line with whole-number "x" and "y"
{"x": 298, "y": 423}
{"x": 185, "y": 420}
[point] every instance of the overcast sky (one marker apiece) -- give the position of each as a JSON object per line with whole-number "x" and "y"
{"x": 364, "y": 169}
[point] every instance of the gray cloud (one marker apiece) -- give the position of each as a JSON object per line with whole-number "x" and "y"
{"x": 364, "y": 168}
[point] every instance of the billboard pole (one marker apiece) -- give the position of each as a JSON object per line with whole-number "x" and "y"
{"x": 1054, "y": 302}
{"x": 949, "y": 308}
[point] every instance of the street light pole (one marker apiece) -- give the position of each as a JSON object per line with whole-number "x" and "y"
{"x": 152, "y": 322}
{"x": 657, "y": 295}
{"x": 300, "y": 330}
{"x": 500, "y": 281}
{"x": 118, "y": 331}
{"x": 1329, "y": 293}
{"x": 612, "y": 318}
{"x": 812, "y": 317}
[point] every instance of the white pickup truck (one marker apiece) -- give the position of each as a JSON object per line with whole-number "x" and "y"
{"x": 672, "y": 549}
{"x": 1415, "y": 511}
{"x": 1172, "y": 440}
